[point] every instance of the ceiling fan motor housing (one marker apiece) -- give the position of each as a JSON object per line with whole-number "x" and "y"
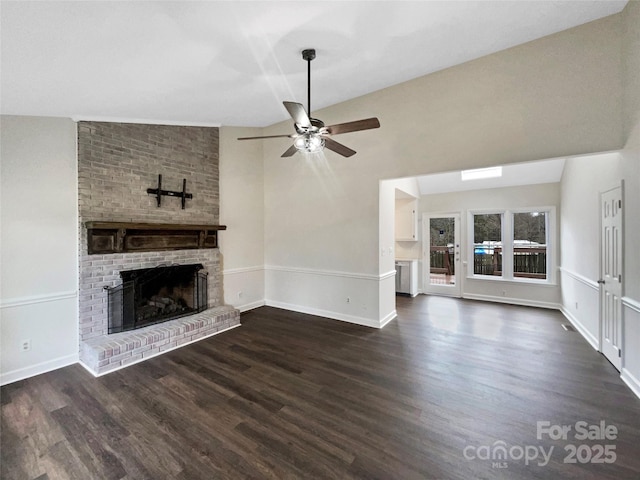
{"x": 316, "y": 126}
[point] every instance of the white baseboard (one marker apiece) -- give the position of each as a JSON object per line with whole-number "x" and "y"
{"x": 250, "y": 306}
{"x": 33, "y": 370}
{"x": 392, "y": 316}
{"x": 588, "y": 336}
{"x": 632, "y": 382}
{"x": 367, "y": 322}
{"x": 512, "y": 301}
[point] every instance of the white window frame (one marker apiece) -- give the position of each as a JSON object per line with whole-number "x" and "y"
{"x": 507, "y": 244}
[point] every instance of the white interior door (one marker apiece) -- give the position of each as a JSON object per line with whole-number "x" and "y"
{"x": 441, "y": 254}
{"x": 611, "y": 276}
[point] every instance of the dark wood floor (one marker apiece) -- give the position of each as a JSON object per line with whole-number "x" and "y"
{"x": 289, "y": 395}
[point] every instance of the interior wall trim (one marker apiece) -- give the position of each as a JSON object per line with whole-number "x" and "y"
{"x": 631, "y": 304}
{"x": 34, "y": 299}
{"x": 366, "y": 322}
{"x": 143, "y": 121}
{"x": 632, "y": 382}
{"x": 581, "y": 278}
{"x": 237, "y": 271}
{"x": 586, "y": 334}
{"x": 391, "y": 316}
{"x": 512, "y": 301}
{"x": 331, "y": 273}
{"x": 250, "y": 306}
{"x": 37, "y": 369}
{"x": 384, "y": 276}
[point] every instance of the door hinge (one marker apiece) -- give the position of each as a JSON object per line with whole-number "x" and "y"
{"x": 620, "y": 278}
{"x": 619, "y": 203}
{"x": 619, "y": 353}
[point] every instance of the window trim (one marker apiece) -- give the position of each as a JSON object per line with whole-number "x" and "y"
{"x": 507, "y": 244}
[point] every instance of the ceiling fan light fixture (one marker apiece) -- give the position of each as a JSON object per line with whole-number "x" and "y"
{"x": 311, "y": 134}
{"x": 309, "y": 142}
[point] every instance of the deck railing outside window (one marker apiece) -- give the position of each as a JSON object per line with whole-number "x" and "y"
{"x": 528, "y": 261}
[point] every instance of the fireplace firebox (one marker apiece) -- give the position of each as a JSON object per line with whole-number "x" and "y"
{"x": 153, "y": 295}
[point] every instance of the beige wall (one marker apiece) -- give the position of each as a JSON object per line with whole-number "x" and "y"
{"x": 242, "y": 211}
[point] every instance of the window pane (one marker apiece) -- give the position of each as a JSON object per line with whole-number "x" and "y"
{"x": 487, "y": 244}
{"x": 530, "y": 245}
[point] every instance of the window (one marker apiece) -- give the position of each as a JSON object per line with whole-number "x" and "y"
{"x": 530, "y": 245}
{"x": 487, "y": 244}
{"x": 512, "y": 244}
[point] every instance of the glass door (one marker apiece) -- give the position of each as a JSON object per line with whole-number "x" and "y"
{"x": 441, "y": 236}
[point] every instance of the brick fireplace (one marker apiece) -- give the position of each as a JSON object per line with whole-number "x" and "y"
{"x": 117, "y": 164}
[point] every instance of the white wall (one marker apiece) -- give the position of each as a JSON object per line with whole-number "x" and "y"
{"x": 582, "y": 181}
{"x": 541, "y": 195}
{"x": 242, "y": 211}
{"x": 557, "y": 96}
{"x": 38, "y": 245}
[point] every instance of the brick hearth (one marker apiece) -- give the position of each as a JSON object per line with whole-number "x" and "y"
{"x": 109, "y": 352}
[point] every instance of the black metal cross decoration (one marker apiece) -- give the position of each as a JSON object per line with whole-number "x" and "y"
{"x": 158, "y": 192}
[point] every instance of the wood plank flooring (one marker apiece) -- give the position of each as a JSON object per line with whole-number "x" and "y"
{"x": 289, "y": 395}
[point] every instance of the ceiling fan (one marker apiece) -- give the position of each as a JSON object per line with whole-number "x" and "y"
{"x": 311, "y": 134}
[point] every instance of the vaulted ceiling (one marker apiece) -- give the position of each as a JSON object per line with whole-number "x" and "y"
{"x": 233, "y": 63}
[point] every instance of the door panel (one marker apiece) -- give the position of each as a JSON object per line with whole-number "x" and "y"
{"x": 611, "y": 276}
{"x": 441, "y": 241}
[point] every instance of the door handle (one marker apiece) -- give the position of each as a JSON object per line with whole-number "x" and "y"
{"x": 601, "y": 282}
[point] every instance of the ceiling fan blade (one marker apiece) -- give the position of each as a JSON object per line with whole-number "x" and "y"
{"x": 338, "y": 147}
{"x": 365, "y": 124}
{"x": 298, "y": 113}
{"x": 268, "y": 136}
{"x": 290, "y": 151}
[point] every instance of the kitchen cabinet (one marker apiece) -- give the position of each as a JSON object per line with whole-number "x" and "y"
{"x": 406, "y": 219}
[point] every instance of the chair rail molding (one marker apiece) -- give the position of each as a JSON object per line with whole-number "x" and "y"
{"x": 34, "y": 299}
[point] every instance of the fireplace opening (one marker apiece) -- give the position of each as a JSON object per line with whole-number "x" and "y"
{"x": 153, "y": 295}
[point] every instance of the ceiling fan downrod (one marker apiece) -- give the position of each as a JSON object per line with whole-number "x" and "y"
{"x": 308, "y": 55}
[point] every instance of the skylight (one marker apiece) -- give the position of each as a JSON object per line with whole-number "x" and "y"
{"x": 480, "y": 173}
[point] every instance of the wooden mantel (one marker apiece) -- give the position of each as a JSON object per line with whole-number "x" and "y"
{"x": 119, "y": 237}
